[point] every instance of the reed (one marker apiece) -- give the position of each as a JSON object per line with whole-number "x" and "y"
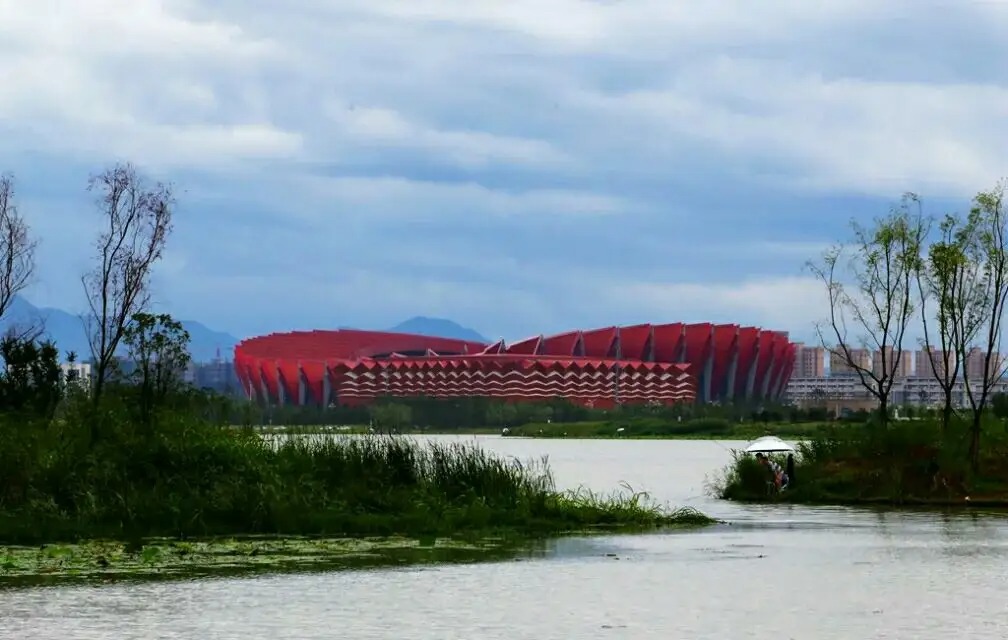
{"x": 184, "y": 478}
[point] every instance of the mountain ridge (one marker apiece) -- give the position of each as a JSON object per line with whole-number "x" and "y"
{"x": 67, "y": 330}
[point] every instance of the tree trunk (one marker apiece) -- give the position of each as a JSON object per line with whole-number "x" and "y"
{"x": 974, "y": 448}
{"x": 946, "y": 416}
{"x": 884, "y": 410}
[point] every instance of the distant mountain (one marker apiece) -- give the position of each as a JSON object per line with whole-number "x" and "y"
{"x": 67, "y": 331}
{"x": 438, "y": 328}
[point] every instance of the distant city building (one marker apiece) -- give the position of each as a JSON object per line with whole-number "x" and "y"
{"x": 975, "y": 364}
{"x": 840, "y": 365}
{"x": 76, "y": 371}
{"x": 941, "y": 361}
{"x": 914, "y": 381}
{"x": 810, "y": 362}
{"x": 904, "y": 368}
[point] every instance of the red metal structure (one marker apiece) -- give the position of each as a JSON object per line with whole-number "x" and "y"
{"x": 644, "y": 363}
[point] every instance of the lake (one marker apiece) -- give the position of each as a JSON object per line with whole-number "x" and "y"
{"x": 771, "y": 572}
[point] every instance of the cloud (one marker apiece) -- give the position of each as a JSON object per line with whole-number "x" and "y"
{"x": 519, "y": 166}
{"x": 133, "y": 80}
{"x": 391, "y": 131}
{"x": 835, "y": 135}
{"x": 773, "y": 303}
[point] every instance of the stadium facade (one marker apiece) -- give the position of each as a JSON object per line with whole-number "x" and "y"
{"x": 664, "y": 364}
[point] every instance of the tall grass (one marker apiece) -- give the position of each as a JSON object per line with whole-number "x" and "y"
{"x": 185, "y": 478}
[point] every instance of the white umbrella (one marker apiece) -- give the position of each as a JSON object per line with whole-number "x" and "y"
{"x": 769, "y": 444}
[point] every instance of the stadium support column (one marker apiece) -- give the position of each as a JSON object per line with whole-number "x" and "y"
{"x": 765, "y": 387}
{"x": 708, "y": 368}
{"x": 750, "y": 387}
{"x": 617, "y": 350}
{"x": 281, "y": 391}
{"x": 302, "y": 387}
{"x": 326, "y": 398}
{"x": 264, "y": 387}
{"x": 732, "y": 368}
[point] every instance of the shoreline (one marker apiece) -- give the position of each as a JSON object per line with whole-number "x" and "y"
{"x": 747, "y": 436}
{"x": 961, "y": 503}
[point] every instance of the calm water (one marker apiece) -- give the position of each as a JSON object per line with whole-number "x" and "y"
{"x": 774, "y": 572}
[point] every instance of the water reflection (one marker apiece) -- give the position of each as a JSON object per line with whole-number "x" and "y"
{"x": 771, "y": 571}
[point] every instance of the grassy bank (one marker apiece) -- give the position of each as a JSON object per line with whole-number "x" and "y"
{"x": 904, "y": 463}
{"x": 183, "y": 478}
{"x": 695, "y": 429}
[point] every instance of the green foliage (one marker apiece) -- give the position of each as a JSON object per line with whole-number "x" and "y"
{"x": 155, "y": 457}
{"x": 31, "y": 381}
{"x": 655, "y": 427}
{"x": 158, "y": 345}
{"x": 916, "y": 461}
{"x": 182, "y": 476}
{"x": 475, "y": 413}
{"x": 872, "y": 288}
{"x": 390, "y": 417}
{"x": 999, "y": 405}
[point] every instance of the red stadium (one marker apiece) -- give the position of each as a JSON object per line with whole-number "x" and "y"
{"x": 663, "y": 364}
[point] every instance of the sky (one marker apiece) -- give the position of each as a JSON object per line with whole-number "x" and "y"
{"x": 520, "y": 167}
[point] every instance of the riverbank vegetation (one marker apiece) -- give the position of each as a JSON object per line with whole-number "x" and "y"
{"x": 950, "y": 276}
{"x": 475, "y": 415}
{"x": 901, "y": 463}
{"x": 658, "y": 428}
{"x": 132, "y": 451}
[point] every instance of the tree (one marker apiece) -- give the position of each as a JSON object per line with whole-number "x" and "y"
{"x": 390, "y": 417}
{"x": 986, "y": 290}
{"x": 31, "y": 380}
{"x": 138, "y": 220}
{"x": 17, "y": 248}
{"x": 501, "y": 414}
{"x": 947, "y": 277}
{"x": 159, "y": 346}
{"x": 881, "y": 265}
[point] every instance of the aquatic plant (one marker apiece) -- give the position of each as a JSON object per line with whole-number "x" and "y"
{"x": 183, "y": 478}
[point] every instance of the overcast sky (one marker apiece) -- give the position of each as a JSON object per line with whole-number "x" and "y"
{"x": 518, "y": 166}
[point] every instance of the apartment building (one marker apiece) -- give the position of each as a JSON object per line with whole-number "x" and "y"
{"x": 974, "y": 368}
{"x": 943, "y": 362}
{"x": 810, "y": 362}
{"x": 904, "y": 368}
{"x": 840, "y": 365}
{"x": 914, "y": 382}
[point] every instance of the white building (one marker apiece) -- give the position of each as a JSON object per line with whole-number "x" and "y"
{"x": 918, "y": 391}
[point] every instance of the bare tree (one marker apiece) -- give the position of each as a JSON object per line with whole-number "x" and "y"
{"x": 948, "y": 278}
{"x": 986, "y": 288}
{"x": 138, "y": 220}
{"x": 881, "y": 266}
{"x": 17, "y": 248}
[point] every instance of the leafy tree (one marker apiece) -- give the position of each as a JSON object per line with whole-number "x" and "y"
{"x": 32, "y": 380}
{"x": 986, "y": 285}
{"x": 999, "y": 405}
{"x": 871, "y": 293}
{"x": 947, "y": 278}
{"x": 390, "y": 417}
{"x": 159, "y": 346}
{"x": 501, "y": 414}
